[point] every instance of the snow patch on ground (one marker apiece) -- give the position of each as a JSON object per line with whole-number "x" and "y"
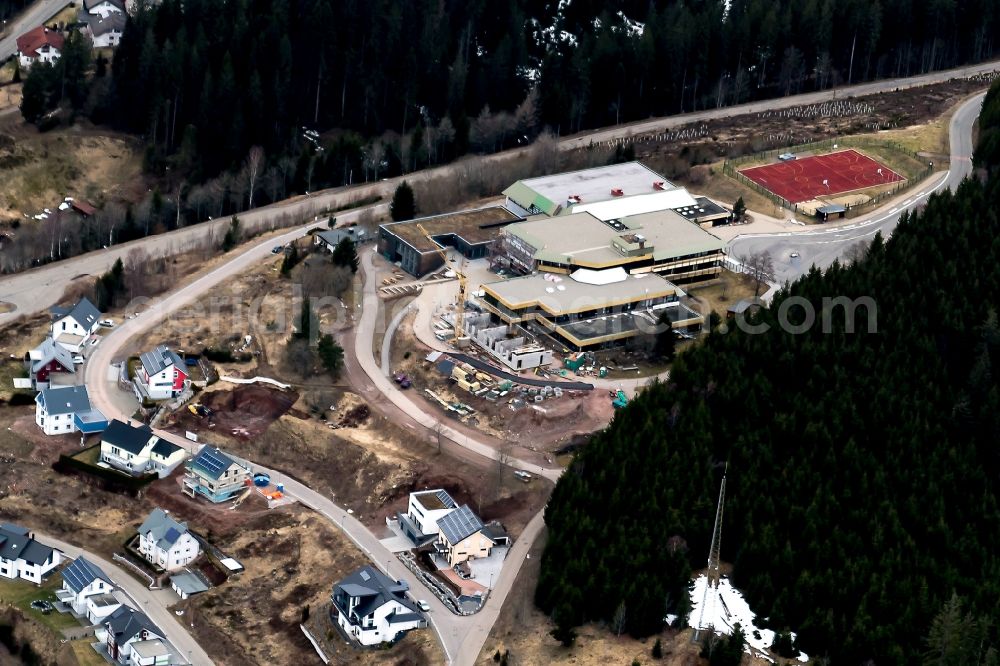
{"x": 724, "y": 608}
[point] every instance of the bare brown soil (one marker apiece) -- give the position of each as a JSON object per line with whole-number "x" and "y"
{"x": 244, "y": 412}
{"x": 292, "y": 558}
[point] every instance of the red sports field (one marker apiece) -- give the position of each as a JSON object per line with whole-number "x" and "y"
{"x": 802, "y": 180}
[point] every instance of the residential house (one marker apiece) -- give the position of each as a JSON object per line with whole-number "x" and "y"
{"x": 162, "y": 374}
{"x": 461, "y": 537}
{"x": 331, "y": 239}
{"x": 39, "y": 45}
{"x": 60, "y": 410}
{"x": 136, "y": 450}
{"x": 130, "y": 637}
{"x": 83, "y": 579}
{"x": 104, "y": 32}
{"x": 373, "y": 608}
{"x": 71, "y": 327}
{"x": 23, "y": 557}
{"x": 99, "y": 606}
{"x": 166, "y": 542}
{"x": 424, "y": 510}
{"x": 103, "y": 8}
{"x": 215, "y": 476}
{"x": 49, "y": 359}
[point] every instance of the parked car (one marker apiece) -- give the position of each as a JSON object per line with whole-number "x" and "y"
{"x": 277, "y": 248}
{"x": 107, "y": 323}
{"x": 77, "y": 360}
{"x": 424, "y": 606}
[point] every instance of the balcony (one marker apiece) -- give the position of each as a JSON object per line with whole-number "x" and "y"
{"x": 132, "y": 468}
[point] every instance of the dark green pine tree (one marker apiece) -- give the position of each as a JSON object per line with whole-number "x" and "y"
{"x": 403, "y": 206}
{"x": 346, "y": 254}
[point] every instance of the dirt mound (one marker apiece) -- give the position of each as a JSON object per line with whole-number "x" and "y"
{"x": 242, "y": 413}
{"x": 355, "y": 417}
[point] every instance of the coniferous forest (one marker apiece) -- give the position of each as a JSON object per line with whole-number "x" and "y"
{"x": 863, "y": 501}
{"x": 205, "y": 81}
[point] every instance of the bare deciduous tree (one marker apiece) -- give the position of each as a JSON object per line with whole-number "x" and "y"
{"x": 252, "y": 170}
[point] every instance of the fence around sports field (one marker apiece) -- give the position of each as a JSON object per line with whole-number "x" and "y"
{"x": 731, "y": 168}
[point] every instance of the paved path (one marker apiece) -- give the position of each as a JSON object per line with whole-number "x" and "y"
{"x": 390, "y": 331}
{"x": 151, "y": 602}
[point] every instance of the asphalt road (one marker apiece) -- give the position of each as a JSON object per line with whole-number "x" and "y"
{"x": 822, "y": 247}
{"x": 150, "y": 602}
{"x": 40, "y": 288}
{"x": 32, "y": 17}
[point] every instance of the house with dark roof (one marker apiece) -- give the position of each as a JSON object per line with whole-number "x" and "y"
{"x": 166, "y": 542}
{"x": 83, "y": 579}
{"x": 162, "y": 374}
{"x": 330, "y": 238}
{"x": 215, "y": 476}
{"x": 23, "y": 557}
{"x": 372, "y": 608}
{"x": 73, "y": 326}
{"x": 423, "y": 511}
{"x": 130, "y": 635}
{"x": 461, "y": 537}
{"x": 136, "y": 450}
{"x": 105, "y": 31}
{"x": 49, "y": 359}
{"x": 39, "y": 45}
{"x": 61, "y": 410}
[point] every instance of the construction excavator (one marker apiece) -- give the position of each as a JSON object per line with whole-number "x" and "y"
{"x": 463, "y": 283}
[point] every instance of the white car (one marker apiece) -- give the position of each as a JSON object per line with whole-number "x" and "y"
{"x": 794, "y": 255}
{"x": 424, "y": 606}
{"x": 107, "y": 323}
{"x": 77, "y": 360}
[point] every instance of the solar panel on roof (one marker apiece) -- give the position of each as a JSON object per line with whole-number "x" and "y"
{"x": 172, "y": 535}
{"x": 364, "y": 576}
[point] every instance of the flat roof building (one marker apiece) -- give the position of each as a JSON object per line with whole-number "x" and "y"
{"x": 662, "y": 242}
{"x": 564, "y": 192}
{"x": 588, "y": 309}
{"x": 470, "y": 232}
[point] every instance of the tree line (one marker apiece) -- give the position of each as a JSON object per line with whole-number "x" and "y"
{"x": 328, "y": 93}
{"x": 862, "y": 507}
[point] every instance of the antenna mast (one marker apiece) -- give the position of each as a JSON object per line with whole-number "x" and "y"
{"x": 714, "y": 557}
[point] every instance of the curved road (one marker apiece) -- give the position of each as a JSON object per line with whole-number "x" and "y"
{"x": 143, "y": 599}
{"x": 39, "y": 288}
{"x": 822, "y": 247}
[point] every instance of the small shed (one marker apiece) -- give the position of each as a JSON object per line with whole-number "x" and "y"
{"x": 831, "y": 212}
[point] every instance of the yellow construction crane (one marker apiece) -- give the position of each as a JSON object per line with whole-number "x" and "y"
{"x": 463, "y": 283}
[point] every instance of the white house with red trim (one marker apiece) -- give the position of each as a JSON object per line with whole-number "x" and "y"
{"x": 39, "y": 45}
{"x": 161, "y": 375}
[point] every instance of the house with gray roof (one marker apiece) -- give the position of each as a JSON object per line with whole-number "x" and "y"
{"x": 372, "y": 608}
{"x": 21, "y": 556}
{"x": 82, "y": 579}
{"x": 461, "y": 537}
{"x": 136, "y": 450}
{"x": 73, "y": 326}
{"x": 215, "y": 476}
{"x": 105, "y": 31}
{"x": 161, "y": 375}
{"x": 129, "y": 635}
{"x": 166, "y": 542}
{"x": 48, "y": 359}
{"x": 331, "y": 238}
{"x": 62, "y": 410}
